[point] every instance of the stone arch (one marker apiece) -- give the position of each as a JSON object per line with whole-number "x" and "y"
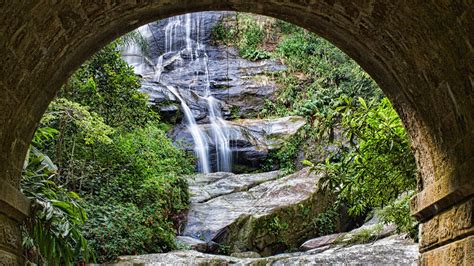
{"x": 420, "y": 53}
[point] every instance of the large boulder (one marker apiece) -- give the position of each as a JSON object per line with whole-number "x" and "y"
{"x": 204, "y": 187}
{"x": 266, "y": 218}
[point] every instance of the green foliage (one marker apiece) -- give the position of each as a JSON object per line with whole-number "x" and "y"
{"x": 222, "y": 33}
{"x": 287, "y": 28}
{"x": 278, "y": 228}
{"x": 52, "y": 233}
{"x": 245, "y": 33}
{"x": 364, "y": 236}
{"x": 70, "y": 132}
{"x": 284, "y": 157}
{"x": 107, "y": 146}
{"x": 89, "y": 125}
{"x": 124, "y": 228}
{"x": 135, "y": 38}
{"x": 398, "y": 212}
{"x": 109, "y": 87}
{"x": 372, "y": 162}
{"x": 276, "y": 225}
{"x": 137, "y": 198}
{"x": 325, "y": 222}
{"x": 318, "y": 74}
{"x": 143, "y": 167}
{"x": 378, "y": 164}
{"x": 223, "y": 249}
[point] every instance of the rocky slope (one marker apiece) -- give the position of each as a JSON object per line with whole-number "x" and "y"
{"x": 239, "y": 86}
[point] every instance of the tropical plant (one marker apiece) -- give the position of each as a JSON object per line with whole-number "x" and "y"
{"x": 52, "y": 234}
{"x": 137, "y": 199}
{"x": 107, "y": 146}
{"x": 398, "y": 212}
{"x": 376, "y": 164}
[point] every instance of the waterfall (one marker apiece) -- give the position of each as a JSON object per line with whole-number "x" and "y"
{"x": 218, "y": 124}
{"x": 201, "y": 146}
{"x": 183, "y": 37}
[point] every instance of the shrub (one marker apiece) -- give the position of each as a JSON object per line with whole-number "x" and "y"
{"x": 243, "y": 32}
{"x": 378, "y": 165}
{"x": 135, "y": 203}
{"x": 126, "y": 229}
{"x": 398, "y": 212}
{"x": 112, "y": 152}
{"x": 110, "y": 88}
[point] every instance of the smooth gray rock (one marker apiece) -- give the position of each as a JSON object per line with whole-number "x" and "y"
{"x": 320, "y": 241}
{"x": 243, "y": 220}
{"x": 192, "y": 243}
{"x": 393, "y": 250}
{"x": 204, "y": 187}
{"x": 247, "y": 254}
{"x": 372, "y": 230}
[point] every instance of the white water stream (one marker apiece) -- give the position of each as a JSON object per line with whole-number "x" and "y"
{"x": 190, "y": 25}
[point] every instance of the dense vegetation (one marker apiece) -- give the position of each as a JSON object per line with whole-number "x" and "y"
{"x": 352, "y": 134}
{"x": 104, "y": 177}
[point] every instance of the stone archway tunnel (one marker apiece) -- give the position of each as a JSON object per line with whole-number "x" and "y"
{"x": 419, "y": 52}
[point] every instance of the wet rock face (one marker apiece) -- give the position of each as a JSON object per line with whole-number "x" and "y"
{"x": 250, "y": 139}
{"x": 254, "y": 212}
{"x": 183, "y": 56}
{"x": 159, "y": 29}
{"x": 239, "y": 83}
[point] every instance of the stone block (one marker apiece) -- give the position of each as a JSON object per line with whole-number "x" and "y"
{"x": 9, "y": 259}
{"x": 452, "y": 224}
{"x": 442, "y": 194}
{"x": 456, "y": 253}
{"x": 10, "y": 235}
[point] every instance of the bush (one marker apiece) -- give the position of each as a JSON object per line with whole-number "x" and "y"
{"x": 135, "y": 203}
{"x": 398, "y": 212}
{"x": 110, "y": 88}
{"x": 243, "y": 32}
{"x": 378, "y": 164}
{"x": 285, "y": 157}
{"x": 325, "y": 222}
{"x": 125, "y": 229}
{"x": 112, "y": 152}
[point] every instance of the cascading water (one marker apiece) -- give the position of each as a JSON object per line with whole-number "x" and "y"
{"x": 188, "y": 27}
{"x": 218, "y": 125}
{"x": 201, "y": 145}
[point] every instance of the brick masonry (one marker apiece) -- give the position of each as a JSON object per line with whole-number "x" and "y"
{"x": 419, "y": 52}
